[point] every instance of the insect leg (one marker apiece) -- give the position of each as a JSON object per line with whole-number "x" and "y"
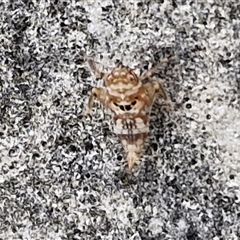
{"x": 159, "y": 89}
{"x": 94, "y": 69}
{"x": 150, "y": 72}
{"x": 153, "y": 88}
{"x": 98, "y": 93}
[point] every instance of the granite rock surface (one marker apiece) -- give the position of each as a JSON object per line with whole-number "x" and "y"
{"x": 64, "y": 177}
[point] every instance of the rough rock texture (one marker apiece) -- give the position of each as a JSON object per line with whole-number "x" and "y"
{"x": 64, "y": 177}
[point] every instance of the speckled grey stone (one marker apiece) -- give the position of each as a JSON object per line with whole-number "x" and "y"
{"x": 64, "y": 177}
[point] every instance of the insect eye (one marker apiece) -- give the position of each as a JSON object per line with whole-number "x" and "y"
{"x": 133, "y": 103}
{"x": 130, "y": 77}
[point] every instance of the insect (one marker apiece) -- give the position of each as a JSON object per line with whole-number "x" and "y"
{"x": 130, "y": 102}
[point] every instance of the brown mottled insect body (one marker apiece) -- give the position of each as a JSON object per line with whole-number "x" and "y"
{"x": 130, "y": 102}
{"x": 133, "y": 145}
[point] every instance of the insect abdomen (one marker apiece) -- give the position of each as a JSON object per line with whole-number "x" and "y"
{"x": 137, "y": 124}
{"x": 132, "y": 133}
